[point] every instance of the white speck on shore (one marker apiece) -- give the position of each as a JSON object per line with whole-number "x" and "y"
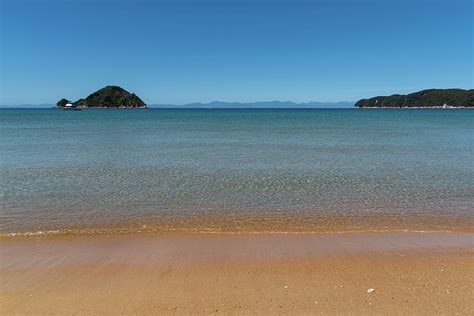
{"x": 286, "y": 286}
{"x": 370, "y": 290}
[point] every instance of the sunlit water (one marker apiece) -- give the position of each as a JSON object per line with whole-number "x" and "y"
{"x": 97, "y": 168}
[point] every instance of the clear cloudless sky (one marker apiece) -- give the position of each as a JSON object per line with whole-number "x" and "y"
{"x": 233, "y": 50}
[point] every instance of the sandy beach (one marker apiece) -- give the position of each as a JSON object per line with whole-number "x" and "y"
{"x": 238, "y": 157}
{"x": 410, "y": 273}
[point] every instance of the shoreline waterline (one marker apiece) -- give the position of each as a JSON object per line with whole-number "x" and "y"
{"x": 73, "y": 233}
{"x": 219, "y": 229}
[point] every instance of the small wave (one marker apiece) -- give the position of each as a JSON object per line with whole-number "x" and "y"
{"x": 112, "y": 231}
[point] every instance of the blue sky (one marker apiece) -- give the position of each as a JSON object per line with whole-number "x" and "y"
{"x": 199, "y": 51}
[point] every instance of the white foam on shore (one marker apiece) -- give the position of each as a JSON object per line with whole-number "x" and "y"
{"x": 80, "y": 232}
{"x": 37, "y": 233}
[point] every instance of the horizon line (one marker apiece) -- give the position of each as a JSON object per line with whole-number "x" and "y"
{"x": 213, "y": 104}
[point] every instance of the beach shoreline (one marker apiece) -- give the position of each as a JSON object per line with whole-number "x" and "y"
{"x": 245, "y": 273}
{"x": 228, "y": 224}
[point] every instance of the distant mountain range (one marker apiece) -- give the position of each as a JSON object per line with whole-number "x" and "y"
{"x": 226, "y": 105}
{"x": 28, "y": 106}
{"x": 256, "y": 105}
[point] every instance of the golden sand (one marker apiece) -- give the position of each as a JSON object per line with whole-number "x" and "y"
{"x": 410, "y": 273}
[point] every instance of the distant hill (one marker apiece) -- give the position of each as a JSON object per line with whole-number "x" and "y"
{"x": 432, "y": 98}
{"x": 107, "y": 97}
{"x": 256, "y": 105}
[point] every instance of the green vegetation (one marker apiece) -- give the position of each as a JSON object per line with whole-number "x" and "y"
{"x": 423, "y": 99}
{"x": 108, "y": 97}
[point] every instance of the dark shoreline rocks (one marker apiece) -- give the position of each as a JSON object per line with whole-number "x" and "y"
{"x": 432, "y": 98}
{"x": 107, "y": 97}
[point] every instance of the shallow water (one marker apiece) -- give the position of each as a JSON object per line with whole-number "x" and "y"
{"x": 260, "y": 168}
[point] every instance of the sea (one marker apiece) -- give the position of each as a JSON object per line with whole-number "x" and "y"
{"x": 233, "y": 170}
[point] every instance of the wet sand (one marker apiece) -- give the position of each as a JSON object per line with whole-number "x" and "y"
{"x": 329, "y": 273}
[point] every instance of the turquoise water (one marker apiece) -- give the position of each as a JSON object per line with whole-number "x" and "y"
{"x": 96, "y": 167}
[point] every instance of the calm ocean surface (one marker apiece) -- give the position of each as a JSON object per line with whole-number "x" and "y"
{"x": 99, "y": 168}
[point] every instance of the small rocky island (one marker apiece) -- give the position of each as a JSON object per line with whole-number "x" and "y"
{"x": 433, "y": 98}
{"x": 107, "y": 97}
